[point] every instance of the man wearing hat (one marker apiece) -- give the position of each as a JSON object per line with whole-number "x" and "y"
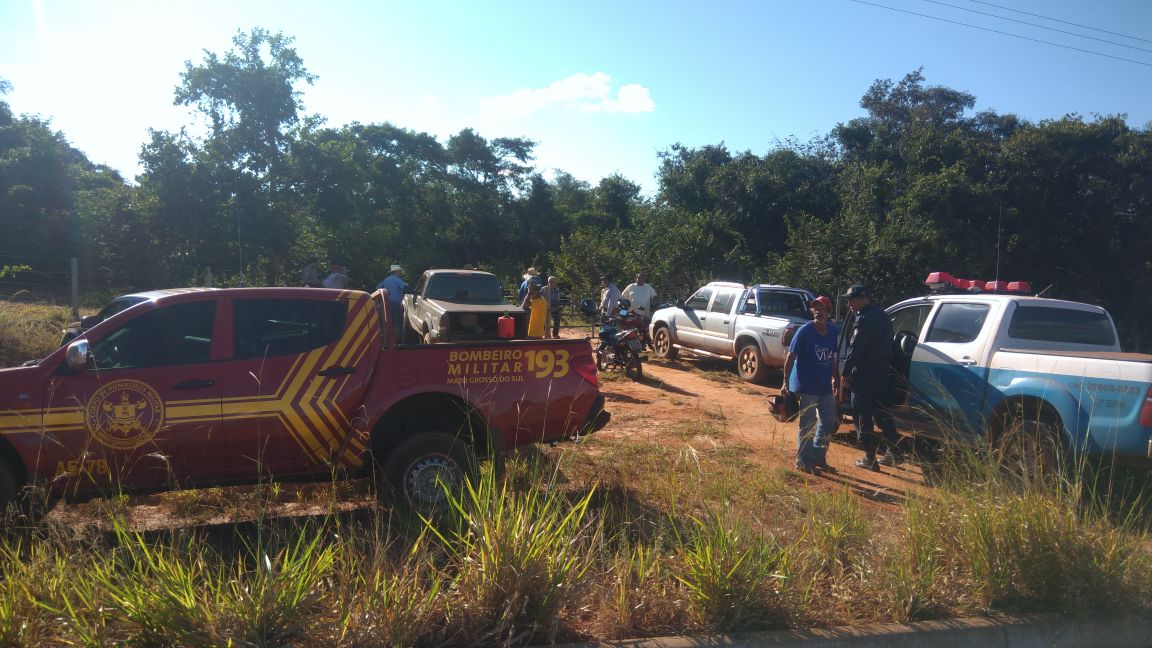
{"x": 866, "y": 375}
{"x": 609, "y": 295}
{"x": 337, "y": 277}
{"x": 395, "y": 286}
{"x": 816, "y": 383}
{"x": 531, "y": 276}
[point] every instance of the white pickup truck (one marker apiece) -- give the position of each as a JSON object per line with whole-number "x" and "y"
{"x": 730, "y": 320}
{"x": 1046, "y": 375}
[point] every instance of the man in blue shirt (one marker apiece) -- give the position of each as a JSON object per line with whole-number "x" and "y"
{"x": 816, "y": 383}
{"x": 395, "y": 286}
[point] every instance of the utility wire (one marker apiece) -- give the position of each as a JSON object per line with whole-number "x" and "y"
{"x": 1104, "y": 31}
{"x": 1030, "y": 24}
{"x": 1004, "y": 33}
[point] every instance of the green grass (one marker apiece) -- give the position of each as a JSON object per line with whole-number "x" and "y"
{"x": 599, "y": 540}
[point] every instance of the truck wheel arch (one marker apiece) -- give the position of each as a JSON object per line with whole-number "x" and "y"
{"x": 662, "y": 339}
{"x": 443, "y": 428}
{"x": 750, "y": 362}
{"x": 432, "y": 412}
{"x": 14, "y": 463}
{"x": 421, "y": 466}
{"x": 1029, "y": 437}
{"x": 32, "y": 502}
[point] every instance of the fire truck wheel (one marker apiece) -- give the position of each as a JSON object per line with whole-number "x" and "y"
{"x": 8, "y": 489}
{"x": 750, "y": 363}
{"x": 662, "y": 344}
{"x": 420, "y": 469}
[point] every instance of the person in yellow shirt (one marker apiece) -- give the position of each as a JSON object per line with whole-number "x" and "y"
{"x": 537, "y": 308}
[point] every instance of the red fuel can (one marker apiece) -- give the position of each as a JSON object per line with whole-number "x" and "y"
{"x": 506, "y": 327}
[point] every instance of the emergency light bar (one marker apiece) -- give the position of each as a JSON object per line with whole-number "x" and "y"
{"x": 943, "y": 282}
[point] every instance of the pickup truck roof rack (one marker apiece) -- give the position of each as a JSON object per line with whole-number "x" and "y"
{"x": 943, "y": 283}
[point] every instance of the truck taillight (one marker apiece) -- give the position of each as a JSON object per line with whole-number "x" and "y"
{"x": 585, "y": 367}
{"x": 1146, "y": 411}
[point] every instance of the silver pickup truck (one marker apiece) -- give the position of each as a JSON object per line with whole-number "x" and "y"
{"x": 455, "y": 305}
{"x": 731, "y": 320}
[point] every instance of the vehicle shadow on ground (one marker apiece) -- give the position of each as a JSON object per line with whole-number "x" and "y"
{"x": 614, "y": 397}
{"x": 695, "y": 364}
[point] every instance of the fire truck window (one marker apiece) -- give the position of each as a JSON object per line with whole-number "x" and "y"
{"x": 167, "y": 336}
{"x": 958, "y": 323}
{"x": 278, "y": 327}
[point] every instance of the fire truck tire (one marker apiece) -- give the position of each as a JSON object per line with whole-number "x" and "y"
{"x": 750, "y": 363}
{"x": 418, "y": 469}
{"x": 8, "y": 487}
{"x": 662, "y": 344}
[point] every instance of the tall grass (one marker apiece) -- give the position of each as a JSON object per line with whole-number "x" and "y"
{"x": 29, "y": 331}
{"x": 605, "y": 539}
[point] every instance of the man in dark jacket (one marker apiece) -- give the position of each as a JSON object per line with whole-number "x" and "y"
{"x": 866, "y": 375}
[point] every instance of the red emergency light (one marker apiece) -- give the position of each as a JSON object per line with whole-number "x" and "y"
{"x": 943, "y": 282}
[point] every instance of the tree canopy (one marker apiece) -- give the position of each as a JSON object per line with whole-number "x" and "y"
{"x": 919, "y": 183}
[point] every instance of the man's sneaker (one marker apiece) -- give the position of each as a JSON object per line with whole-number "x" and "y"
{"x": 888, "y": 459}
{"x": 868, "y": 463}
{"x": 823, "y": 465}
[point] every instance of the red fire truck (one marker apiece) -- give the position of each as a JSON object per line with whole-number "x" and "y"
{"x": 216, "y": 386}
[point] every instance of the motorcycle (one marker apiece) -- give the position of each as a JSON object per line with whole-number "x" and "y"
{"x": 631, "y": 319}
{"x": 620, "y": 347}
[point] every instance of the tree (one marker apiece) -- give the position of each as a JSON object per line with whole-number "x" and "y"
{"x": 249, "y": 97}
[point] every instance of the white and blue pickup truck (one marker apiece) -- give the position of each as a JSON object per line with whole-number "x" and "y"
{"x": 731, "y": 320}
{"x": 1046, "y": 375}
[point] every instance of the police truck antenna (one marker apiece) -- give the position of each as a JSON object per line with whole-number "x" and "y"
{"x": 999, "y": 220}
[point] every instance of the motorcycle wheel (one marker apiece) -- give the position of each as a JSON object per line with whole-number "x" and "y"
{"x": 603, "y": 360}
{"x": 635, "y": 368}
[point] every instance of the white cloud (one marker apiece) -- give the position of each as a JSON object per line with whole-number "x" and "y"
{"x": 584, "y": 92}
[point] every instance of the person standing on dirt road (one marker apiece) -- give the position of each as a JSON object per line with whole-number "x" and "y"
{"x": 866, "y": 375}
{"x": 816, "y": 383}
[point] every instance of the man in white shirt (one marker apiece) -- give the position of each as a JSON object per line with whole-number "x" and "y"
{"x": 337, "y": 277}
{"x": 609, "y": 295}
{"x": 641, "y": 295}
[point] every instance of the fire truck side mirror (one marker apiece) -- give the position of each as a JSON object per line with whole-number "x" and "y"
{"x": 77, "y": 355}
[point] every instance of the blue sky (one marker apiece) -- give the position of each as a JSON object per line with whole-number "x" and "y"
{"x": 602, "y": 87}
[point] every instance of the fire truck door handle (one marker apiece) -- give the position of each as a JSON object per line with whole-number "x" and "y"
{"x": 194, "y": 384}
{"x": 967, "y": 362}
{"x": 337, "y": 371}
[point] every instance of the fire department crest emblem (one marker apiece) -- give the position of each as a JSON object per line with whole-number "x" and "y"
{"x": 124, "y": 414}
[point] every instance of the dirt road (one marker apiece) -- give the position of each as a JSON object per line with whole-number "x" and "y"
{"x": 706, "y": 390}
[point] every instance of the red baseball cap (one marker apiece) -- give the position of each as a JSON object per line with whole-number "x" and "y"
{"x": 824, "y": 301}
